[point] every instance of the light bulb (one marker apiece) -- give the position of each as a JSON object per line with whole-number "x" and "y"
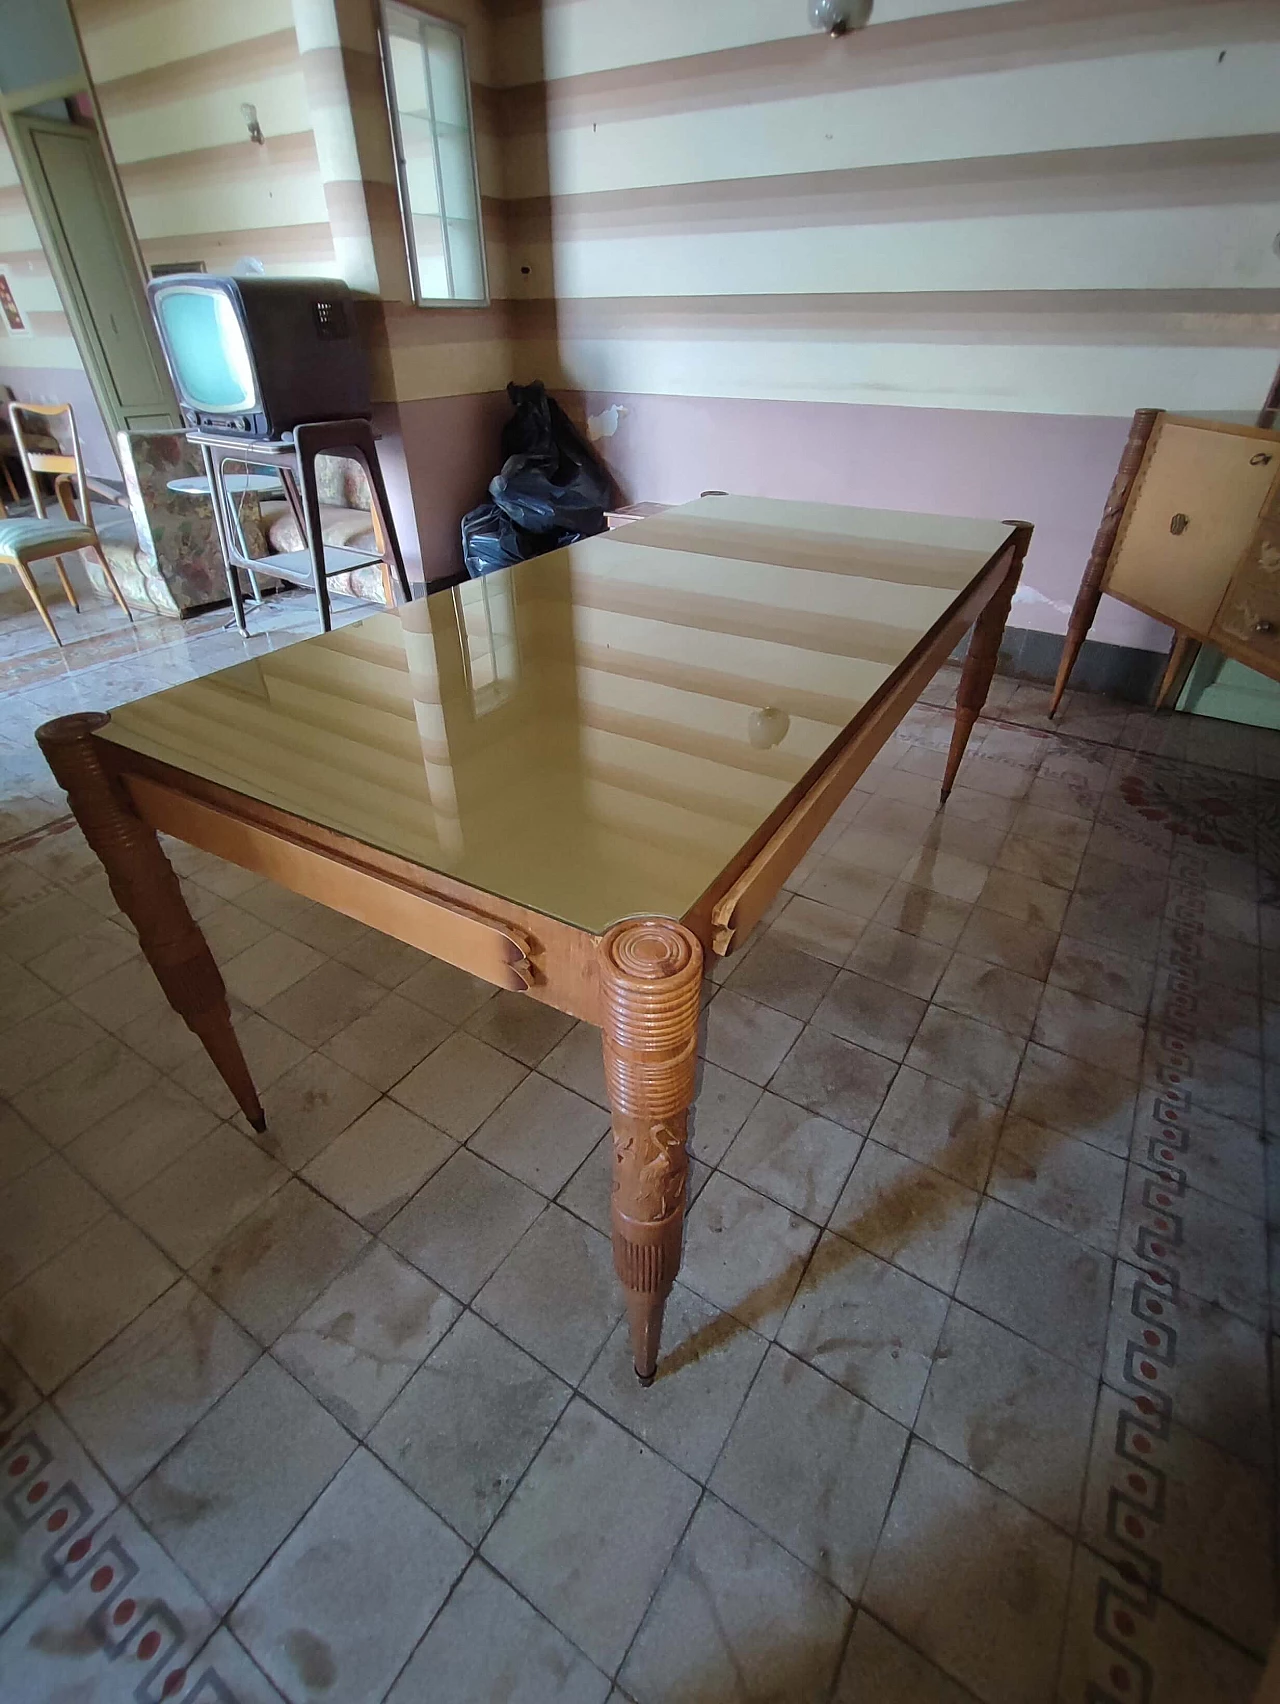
{"x": 829, "y": 15}
{"x": 838, "y": 17}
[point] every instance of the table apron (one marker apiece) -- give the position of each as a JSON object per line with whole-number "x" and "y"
{"x": 498, "y": 951}
{"x": 737, "y": 911}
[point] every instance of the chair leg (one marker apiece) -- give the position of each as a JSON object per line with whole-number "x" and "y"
{"x": 111, "y": 579}
{"x": 33, "y": 591}
{"x": 67, "y": 587}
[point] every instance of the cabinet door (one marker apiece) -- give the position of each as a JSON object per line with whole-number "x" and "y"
{"x": 1249, "y": 619}
{"x": 1192, "y": 513}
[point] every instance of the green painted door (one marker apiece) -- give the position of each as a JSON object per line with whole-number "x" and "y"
{"x": 97, "y": 274}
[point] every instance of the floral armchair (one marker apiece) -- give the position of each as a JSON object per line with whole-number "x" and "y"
{"x": 345, "y": 518}
{"x": 164, "y": 547}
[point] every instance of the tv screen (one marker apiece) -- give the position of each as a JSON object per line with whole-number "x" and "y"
{"x": 207, "y": 350}
{"x": 255, "y": 357}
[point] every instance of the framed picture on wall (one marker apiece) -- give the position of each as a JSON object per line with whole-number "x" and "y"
{"x": 14, "y": 323}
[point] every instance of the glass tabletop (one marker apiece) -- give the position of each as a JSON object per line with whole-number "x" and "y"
{"x": 197, "y": 485}
{"x": 597, "y": 732}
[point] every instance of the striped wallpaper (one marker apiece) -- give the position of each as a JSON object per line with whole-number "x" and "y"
{"x": 1029, "y": 210}
{"x": 1057, "y": 206}
{"x": 171, "y": 76}
{"x": 318, "y": 196}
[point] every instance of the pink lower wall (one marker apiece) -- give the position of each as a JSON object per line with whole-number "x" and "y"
{"x": 68, "y": 384}
{"x": 438, "y": 455}
{"x": 1054, "y": 470}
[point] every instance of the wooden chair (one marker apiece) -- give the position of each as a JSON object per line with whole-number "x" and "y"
{"x": 30, "y": 538}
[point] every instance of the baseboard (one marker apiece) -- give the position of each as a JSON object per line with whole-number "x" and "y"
{"x": 1121, "y": 671}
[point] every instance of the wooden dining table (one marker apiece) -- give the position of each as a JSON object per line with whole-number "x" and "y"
{"x": 581, "y": 779}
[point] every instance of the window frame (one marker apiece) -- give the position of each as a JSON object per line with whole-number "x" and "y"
{"x": 385, "y": 7}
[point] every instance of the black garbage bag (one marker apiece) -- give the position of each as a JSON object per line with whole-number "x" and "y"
{"x": 491, "y": 539}
{"x": 552, "y": 489}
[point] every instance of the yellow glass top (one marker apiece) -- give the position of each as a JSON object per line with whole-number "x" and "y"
{"x": 597, "y": 732}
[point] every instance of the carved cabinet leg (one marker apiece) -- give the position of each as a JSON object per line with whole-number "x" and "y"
{"x": 1090, "y": 594}
{"x": 980, "y": 661}
{"x": 147, "y": 891}
{"x": 650, "y": 982}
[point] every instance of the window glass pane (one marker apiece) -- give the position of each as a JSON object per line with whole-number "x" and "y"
{"x": 448, "y": 76}
{"x": 409, "y": 71}
{"x": 457, "y": 175}
{"x": 427, "y": 78}
{"x": 433, "y": 273}
{"x": 466, "y": 260}
{"x": 420, "y": 178}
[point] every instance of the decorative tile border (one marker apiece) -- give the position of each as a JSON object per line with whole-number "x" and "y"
{"x": 124, "y": 1621}
{"x": 1127, "y": 1592}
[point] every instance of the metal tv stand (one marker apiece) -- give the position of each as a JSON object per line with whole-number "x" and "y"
{"x": 294, "y": 458}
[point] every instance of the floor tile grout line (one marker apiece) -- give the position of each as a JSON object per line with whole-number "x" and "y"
{"x": 1082, "y": 1497}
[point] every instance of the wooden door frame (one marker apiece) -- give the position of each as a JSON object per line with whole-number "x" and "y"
{"x": 15, "y": 118}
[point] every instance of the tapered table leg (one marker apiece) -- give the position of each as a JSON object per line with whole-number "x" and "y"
{"x": 650, "y": 981}
{"x": 1090, "y": 594}
{"x": 980, "y": 660}
{"x": 147, "y": 891}
{"x": 1181, "y": 657}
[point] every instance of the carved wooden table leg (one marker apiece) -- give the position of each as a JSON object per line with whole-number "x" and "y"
{"x": 147, "y": 891}
{"x": 650, "y": 981}
{"x": 980, "y": 660}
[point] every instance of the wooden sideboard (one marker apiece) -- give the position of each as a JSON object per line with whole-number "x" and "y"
{"x": 1190, "y": 535}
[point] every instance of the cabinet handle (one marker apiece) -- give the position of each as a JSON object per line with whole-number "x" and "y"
{"x": 1264, "y": 626}
{"x": 1178, "y": 525}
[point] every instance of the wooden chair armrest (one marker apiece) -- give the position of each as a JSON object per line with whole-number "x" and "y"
{"x": 64, "y": 488}
{"x": 112, "y": 489}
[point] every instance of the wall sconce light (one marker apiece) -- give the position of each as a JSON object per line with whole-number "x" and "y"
{"x": 249, "y": 113}
{"x": 838, "y": 17}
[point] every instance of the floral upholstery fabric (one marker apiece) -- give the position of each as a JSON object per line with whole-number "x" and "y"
{"x": 345, "y": 518}
{"x": 341, "y": 482}
{"x": 165, "y": 553}
{"x": 351, "y": 527}
{"x": 172, "y": 563}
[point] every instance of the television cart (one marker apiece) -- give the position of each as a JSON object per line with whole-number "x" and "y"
{"x": 293, "y": 458}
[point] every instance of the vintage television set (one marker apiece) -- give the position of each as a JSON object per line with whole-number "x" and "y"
{"x": 254, "y": 357}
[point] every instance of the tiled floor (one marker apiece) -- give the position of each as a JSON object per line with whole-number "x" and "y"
{"x": 967, "y": 1385}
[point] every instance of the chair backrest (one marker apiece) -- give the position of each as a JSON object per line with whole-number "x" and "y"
{"x": 44, "y": 461}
